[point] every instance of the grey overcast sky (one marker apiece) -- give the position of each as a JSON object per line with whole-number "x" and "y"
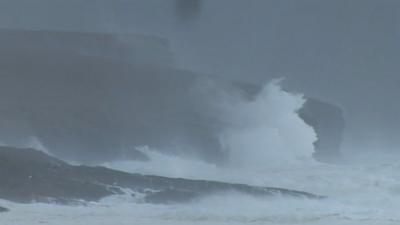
{"x": 342, "y": 51}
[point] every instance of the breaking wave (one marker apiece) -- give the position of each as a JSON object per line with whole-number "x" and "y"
{"x": 260, "y": 134}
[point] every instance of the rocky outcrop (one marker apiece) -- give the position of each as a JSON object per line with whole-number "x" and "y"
{"x": 329, "y": 124}
{"x": 93, "y": 97}
{"x": 28, "y": 175}
{"x": 131, "y": 48}
{"x": 2, "y": 209}
{"x": 325, "y": 118}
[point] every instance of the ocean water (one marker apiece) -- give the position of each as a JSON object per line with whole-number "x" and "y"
{"x": 269, "y": 145}
{"x": 356, "y": 195}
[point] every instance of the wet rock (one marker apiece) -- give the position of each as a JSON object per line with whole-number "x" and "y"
{"x": 2, "y": 209}
{"x": 329, "y": 124}
{"x": 28, "y": 175}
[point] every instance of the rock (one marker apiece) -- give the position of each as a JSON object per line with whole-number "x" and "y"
{"x": 133, "y": 48}
{"x": 329, "y": 124}
{"x": 28, "y": 175}
{"x": 84, "y": 94}
{"x": 2, "y": 209}
{"x": 327, "y": 120}
{"x": 92, "y": 97}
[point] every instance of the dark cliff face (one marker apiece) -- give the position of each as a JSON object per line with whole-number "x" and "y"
{"x": 2, "y": 209}
{"x": 28, "y": 175}
{"x": 325, "y": 118}
{"x": 93, "y": 97}
{"x": 329, "y": 124}
{"x": 90, "y": 97}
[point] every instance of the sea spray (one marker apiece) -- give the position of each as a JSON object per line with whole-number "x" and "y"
{"x": 259, "y": 134}
{"x": 267, "y": 131}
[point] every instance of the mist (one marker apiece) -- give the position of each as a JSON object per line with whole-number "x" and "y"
{"x": 318, "y": 45}
{"x": 199, "y": 111}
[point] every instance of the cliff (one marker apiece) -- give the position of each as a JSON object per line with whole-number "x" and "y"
{"x": 28, "y": 176}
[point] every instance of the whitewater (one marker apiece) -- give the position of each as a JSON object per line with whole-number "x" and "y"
{"x": 357, "y": 195}
{"x": 269, "y": 145}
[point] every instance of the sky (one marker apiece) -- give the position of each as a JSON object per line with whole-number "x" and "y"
{"x": 344, "y": 52}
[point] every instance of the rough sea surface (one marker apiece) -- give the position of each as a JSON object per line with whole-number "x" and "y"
{"x": 359, "y": 195}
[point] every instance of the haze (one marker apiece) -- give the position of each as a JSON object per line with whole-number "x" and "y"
{"x": 345, "y": 52}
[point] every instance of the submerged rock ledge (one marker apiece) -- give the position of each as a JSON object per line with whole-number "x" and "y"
{"x": 28, "y": 175}
{"x": 2, "y": 209}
